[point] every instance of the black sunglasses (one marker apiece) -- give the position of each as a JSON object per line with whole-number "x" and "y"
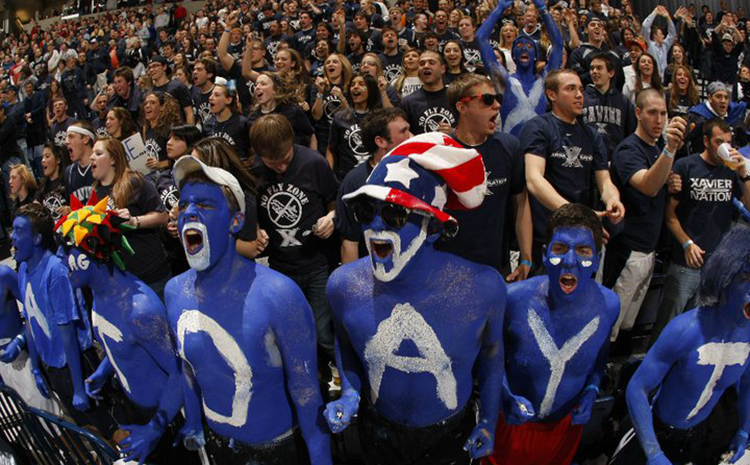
{"x": 487, "y": 99}
{"x": 394, "y": 216}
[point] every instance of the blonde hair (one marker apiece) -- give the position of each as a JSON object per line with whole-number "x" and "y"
{"x": 27, "y": 179}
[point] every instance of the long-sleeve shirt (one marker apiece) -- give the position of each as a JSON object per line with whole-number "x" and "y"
{"x": 659, "y": 51}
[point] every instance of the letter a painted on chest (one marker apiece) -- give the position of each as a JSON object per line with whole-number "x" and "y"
{"x": 720, "y": 355}
{"x": 33, "y": 311}
{"x": 106, "y": 328}
{"x": 405, "y": 323}
{"x": 557, "y": 358}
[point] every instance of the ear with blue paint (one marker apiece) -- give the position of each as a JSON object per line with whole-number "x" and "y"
{"x": 238, "y": 221}
{"x": 37, "y": 239}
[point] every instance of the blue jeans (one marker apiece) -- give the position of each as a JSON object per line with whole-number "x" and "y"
{"x": 313, "y": 285}
{"x": 680, "y": 290}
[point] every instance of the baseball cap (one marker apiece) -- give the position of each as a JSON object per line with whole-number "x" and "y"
{"x": 727, "y": 37}
{"x": 718, "y": 86}
{"x": 159, "y": 59}
{"x": 189, "y": 164}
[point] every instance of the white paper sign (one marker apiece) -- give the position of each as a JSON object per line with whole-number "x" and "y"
{"x": 137, "y": 154}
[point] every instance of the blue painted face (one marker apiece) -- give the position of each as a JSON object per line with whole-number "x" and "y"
{"x": 23, "y": 238}
{"x": 206, "y": 224}
{"x": 81, "y": 268}
{"x": 524, "y": 52}
{"x": 737, "y": 298}
{"x": 392, "y": 249}
{"x": 571, "y": 259}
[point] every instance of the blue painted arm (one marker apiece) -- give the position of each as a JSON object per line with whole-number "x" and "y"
{"x": 338, "y": 413}
{"x": 741, "y": 207}
{"x": 581, "y": 413}
{"x": 144, "y": 438}
{"x": 496, "y": 71}
{"x": 34, "y": 360}
{"x": 14, "y": 348}
{"x": 96, "y": 381}
{"x": 10, "y": 281}
{"x": 647, "y": 378}
{"x": 555, "y": 57}
{"x": 516, "y": 409}
{"x": 490, "y": 375}
{"x": 739, "y": 442}
{"x": 73, "y": 357}
{"x": 294, "y": 329}
{"x": 192, "y": 431}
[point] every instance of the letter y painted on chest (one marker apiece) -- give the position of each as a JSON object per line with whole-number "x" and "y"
{"x": 557, "y": 357}
{"x": 380, "y": 352}
{"x": 720, "y": 355}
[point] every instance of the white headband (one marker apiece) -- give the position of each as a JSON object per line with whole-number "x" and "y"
{"x": 82, "y": 131}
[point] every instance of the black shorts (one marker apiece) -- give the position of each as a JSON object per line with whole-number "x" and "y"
{"x": 387, "y": 443}
{"x": 103, "y": 415}
{"x": 680, "y": 446}
{"x": 288, "y": 451}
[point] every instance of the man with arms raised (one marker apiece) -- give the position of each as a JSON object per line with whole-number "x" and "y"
{"x": 245, "y": 335}
{"x": 415, "y": 325}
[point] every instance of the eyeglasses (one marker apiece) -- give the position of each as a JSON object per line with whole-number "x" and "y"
{"x": 394, "y": 216}
{"x": 487, "y": 99}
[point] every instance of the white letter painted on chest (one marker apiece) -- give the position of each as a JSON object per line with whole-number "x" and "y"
{"x": 380, "y": 352}
{"x": 193, "y": 321}
{"x": 106, "y": 328}
{"x": 720, "y": 355}
{"x": 33, "y": 311}
{"x": 557, "y": 358}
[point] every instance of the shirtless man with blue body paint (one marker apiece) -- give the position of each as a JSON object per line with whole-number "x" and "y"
{"x": 524, "y": 96}
{"x": 698, "y": 356}
{"x": 414, "y": 325}
{"x": 557, "y": 338}
{"x": 245, "y": 334}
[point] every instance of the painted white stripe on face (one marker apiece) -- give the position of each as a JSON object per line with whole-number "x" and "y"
{"x": 555, "y": 260}
{"x": 557, "y": 358}
{"x": 193, "y": 321}
{"x": 32, "y": 309}
{"x": 586, "y": 263}
{"x": 720, "y": 355}
{"x": 399, "y": 257}
{"x": 201, "y": 260}
{"x": 405, "y": 323}
{"x": 111, "y": 331}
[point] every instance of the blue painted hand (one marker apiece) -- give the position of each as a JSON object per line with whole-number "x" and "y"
{"x": 541, "y": 5}
{"x": 94, "y": 385}
{"x": 738, "y": 445}
{"x": 81, "y": 401}
{"x": 140, "y": 442}
{"x": 40, "y": 384}
{"x": 659, "y": 459}
{"x": 518, "y": 410}
{"x": 581, "y": 414}
{"x": 481, "y": 441}
{"x": 11, "y": 351}
{"x": 192, "y": 438}
{"x": 339, "y": 413}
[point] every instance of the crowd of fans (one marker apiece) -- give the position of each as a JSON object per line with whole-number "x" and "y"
{"x": 299, "y": 99}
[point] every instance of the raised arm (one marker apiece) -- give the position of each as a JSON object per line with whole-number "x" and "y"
{"x": 497, "y": 72}
{"x": 247, "y": 61}
{"x": 222, "y": 50}
{"x": 646, "y": 26}
{"x": 294, "y": 329}
{"x": 555, "y": 57}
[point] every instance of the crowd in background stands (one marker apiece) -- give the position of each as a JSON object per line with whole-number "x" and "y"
{"x": 177, "y": 78}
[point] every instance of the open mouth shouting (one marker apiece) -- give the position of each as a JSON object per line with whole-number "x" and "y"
{"x": 568, "y": 283}
{"x": 382, "y": 249}
{"x": 197, "y": 247}
{"x": 746, "y": 310}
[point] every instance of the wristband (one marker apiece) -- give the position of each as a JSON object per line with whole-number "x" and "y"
{"x": 687, "y": 244}
{"x": 137, "y": 222}
{"x": 320, "y": 95}
{"x": 591, "y": 387}
{"x": 525, "y": 262}
{"x": 742, "y": 433}
{"x": 667, "y": 153}
{"x": 21, "y": 339}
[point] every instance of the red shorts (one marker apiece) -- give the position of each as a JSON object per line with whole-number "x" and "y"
{"x": 535, "y": 443}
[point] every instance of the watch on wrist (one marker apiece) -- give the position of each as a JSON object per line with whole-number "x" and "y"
{"x": 745, "y": 178}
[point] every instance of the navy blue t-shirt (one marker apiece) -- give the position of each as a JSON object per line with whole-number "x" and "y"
{"x": 481, "y": 232}
{"x": 705, "y": 209}
{"x": 425, "y": 110}
{"x": 348, "y": 226}
{"x": 345, "y": 142}
{"x": 643, "y": 214}
{"x": 234, "y": 130}
{"x": 572, "y": 151}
